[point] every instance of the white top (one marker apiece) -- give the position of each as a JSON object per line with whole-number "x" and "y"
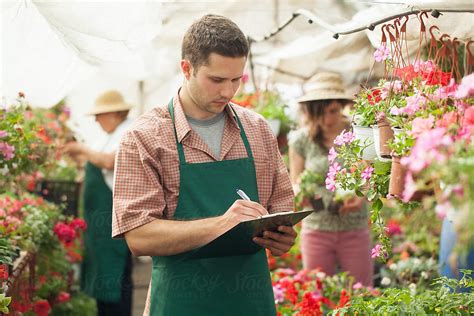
{"x": 109, "y": 144}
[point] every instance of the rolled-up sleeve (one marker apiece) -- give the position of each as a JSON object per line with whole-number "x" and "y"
{"x": 138, "y": 193}
{"x": 282, "y": 198}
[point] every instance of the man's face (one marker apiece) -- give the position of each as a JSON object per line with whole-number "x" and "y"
{"x": 214, "y": 84}
{"x": 108, "y": 121}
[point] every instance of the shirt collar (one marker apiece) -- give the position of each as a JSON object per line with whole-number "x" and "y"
{"x": 181, "y": 123}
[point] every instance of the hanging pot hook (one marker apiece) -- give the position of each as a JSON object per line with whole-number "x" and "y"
{"x": 423, "y": 27}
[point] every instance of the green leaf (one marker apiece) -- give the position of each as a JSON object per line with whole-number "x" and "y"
{"x": 381, "y": 167}
{"x": 377, "y": 205}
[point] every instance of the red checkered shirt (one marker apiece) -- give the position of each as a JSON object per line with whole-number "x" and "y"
{"x": 147, "y": 165}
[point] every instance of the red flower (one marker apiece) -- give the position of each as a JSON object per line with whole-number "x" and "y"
{"x": 21, "y": 307}
{"x": 42, "y": 279}
{"x": 42, "y": 308}
{"x": 78, "y": 223}
{"x": 63, "y": 297}
{"x": 374, "y": 97}
{"x": 64, "y": 232}
{"x": 309, "y": 305}
{"x": 291, "y": 293}
{"x": 3, "y": 272}
{"x": 393, "y": 228}
{"x": 344, "y": 299}
{"x": 436, "y": 77}
{"x": 406, "y": 73}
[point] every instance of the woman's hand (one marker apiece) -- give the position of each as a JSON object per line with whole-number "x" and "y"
{"x": 352, "y": 204}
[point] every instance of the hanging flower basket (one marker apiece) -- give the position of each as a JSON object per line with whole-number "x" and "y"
{"x": 366, "y": 137}
{"x": 384, "y": 133}
{"x": 397, "y": 178}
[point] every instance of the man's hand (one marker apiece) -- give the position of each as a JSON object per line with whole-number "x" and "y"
{"x": 74, "y": 148}
{"x": 242, "y": 211}
{"x": 278, "y": 242}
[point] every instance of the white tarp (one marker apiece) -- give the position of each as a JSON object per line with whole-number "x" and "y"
{"x": 54, "y": 49}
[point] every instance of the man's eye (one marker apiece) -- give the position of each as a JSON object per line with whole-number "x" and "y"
{"x": 216, "y": 80}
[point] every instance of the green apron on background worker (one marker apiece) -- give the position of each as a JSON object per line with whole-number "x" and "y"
{"x": 105, "y": 258}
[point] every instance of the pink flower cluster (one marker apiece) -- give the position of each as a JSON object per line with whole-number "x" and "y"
{"x": 414, "y": 104}
{"x": 331, "y": 176}
{"x": 344, "y": 138}
{"x": 8, "y": 151}
{"x": 382, "y": 53}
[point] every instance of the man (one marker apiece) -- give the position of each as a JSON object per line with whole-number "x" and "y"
{"x": 176, "y": 176}
{"x": 107, "y": 267}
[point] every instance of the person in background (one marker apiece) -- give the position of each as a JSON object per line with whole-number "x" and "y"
{"x": 338, "y": 235}
{"x": 176, "y": 178}
{"x": 107, "y": 265}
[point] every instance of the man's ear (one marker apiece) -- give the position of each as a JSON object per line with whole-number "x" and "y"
{"x": 186, "y": 68}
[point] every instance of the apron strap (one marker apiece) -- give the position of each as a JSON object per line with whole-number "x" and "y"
{"x": 182, "y": 158}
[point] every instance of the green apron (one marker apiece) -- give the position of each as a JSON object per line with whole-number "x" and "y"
{"x": 235, "y": 285}
{"x": 104, "y": 258}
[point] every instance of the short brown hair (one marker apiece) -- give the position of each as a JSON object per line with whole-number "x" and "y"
{"x": 213, "y": 34}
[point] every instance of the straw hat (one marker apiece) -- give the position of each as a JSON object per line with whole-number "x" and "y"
{"x": 325, "y": 86}
{"x": 110, "y": 101}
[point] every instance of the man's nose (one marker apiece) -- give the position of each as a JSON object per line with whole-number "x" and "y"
{"x": 228, "y": 90}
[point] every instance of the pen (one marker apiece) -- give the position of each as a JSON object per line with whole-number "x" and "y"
{"x": 243, "y": 195}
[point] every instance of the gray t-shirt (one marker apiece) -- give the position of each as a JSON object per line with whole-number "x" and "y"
{"x": 210, "y": 131}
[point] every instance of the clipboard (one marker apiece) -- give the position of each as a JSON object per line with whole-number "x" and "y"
{"x": 238, "y": 241}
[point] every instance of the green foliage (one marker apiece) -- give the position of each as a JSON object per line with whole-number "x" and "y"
{"x": 4, "y": 302}
{"x": 79, "y": 305}
{"x": 311, "y": 184}
{"x": 441, "y": 300}
{"x": 402, "y": 143}
{"x": 7, "y": 250}
{"x": 271, "y": 106}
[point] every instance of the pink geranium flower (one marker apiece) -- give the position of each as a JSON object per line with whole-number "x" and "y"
{"x": 7, "y": 150}
{"x": 3, "y": 134}
{"x": 421, "y": 125}
{"x": 442, "y": 209}
{"x": 376, "y": 251}
{"x": 466, "y": 88}
{"x": 367, "y": 173}
{"x": 414, "y": 103}
{"x": 410, "y": 187}
{"x": 332, "y": 155}
{"x": 382, "y": 53}
{"x": 468, "y": 117}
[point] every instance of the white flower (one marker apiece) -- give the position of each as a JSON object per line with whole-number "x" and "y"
{"x": 412, "y": 288}
{"x": 320, "y": 275}
{"x": 424, "y": 275}
{"x": 416, "y": 261}
{"x": 386, "y": 281}
{"x": 4, "y": 170}
{"x": 393, "y": 266}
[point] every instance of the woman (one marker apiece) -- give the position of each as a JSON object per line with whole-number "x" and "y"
{"x": 107, "y": 266}
{"x": 338, "y": 235}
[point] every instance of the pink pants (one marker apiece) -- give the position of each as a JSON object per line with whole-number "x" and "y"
{"x": 349, "y": 249}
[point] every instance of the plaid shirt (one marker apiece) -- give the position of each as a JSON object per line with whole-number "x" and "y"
{"x": 147, "y": 165}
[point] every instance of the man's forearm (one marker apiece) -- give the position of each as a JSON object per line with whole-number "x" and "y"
{"x": 169, "y": 237}
{"x": 100, "y": 159}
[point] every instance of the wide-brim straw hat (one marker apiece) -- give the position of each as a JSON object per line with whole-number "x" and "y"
{"x": 325, "y": 86}
{"x": 110, "y": 101}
